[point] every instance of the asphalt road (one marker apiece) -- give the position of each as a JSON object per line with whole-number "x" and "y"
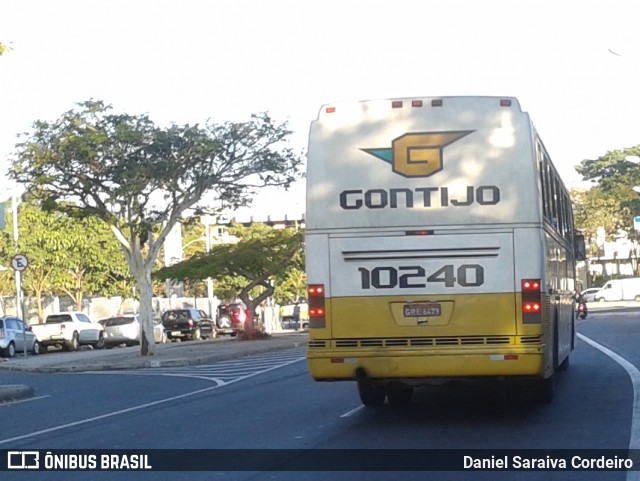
{"x": 268, "y": 401}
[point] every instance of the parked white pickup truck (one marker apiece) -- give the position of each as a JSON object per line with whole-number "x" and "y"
{"x": 69, "y": 330}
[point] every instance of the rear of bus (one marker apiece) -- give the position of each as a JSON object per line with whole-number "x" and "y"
{"x": 424, "y": 244}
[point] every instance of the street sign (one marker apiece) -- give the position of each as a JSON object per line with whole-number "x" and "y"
{"x": 636, "y": 223}
{"x": 19, "y": 262}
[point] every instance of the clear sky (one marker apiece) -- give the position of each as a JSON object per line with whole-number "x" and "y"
{"x": 185, "y": 61}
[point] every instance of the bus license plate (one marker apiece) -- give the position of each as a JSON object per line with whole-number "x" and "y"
{"x": 422, "y": 310}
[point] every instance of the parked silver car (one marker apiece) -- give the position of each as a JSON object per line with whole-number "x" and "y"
{"x": 13, "y": 334}
{"x": 591, "y": 294}
{"x": 125, "y": 329}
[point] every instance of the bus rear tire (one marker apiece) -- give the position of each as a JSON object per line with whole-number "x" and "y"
{"x": 371, "y": 395}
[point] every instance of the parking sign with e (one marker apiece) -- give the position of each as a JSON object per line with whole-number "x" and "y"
{"x": 19, "y": 262}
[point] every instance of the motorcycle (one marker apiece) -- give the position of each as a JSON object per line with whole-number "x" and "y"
{"x": 581, "y": 309}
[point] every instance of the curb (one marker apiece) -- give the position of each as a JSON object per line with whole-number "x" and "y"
{"x": 142, "y": 363}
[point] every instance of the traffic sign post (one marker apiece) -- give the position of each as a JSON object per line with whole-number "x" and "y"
{"x": 19, "y": 262}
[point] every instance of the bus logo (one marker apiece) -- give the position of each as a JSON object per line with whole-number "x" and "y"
{"x": 417, "y": 154}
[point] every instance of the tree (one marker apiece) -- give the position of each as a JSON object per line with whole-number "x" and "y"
{"x": 139, "y": 178}
{"x": 92, "y": 257}
{"x": 4, "y": 49}
{"x": 45, "y": 241}
{"x": 261, "y": 254}
{"x": 595, "y": 208}
{"x": 612, "y": 202}
{"x": 66, "y": 256}
{"x": 292, "y": 286}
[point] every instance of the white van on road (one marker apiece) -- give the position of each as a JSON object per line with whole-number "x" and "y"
{"x": 620, "y": 290}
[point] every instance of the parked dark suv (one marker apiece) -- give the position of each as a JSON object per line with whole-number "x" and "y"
{"x": 231, "y": 318}
{"x": 188, "y": 324}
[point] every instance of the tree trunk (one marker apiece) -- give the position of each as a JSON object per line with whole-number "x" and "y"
{"x": 39, "y": 308}
{"x": 147, "y": 341}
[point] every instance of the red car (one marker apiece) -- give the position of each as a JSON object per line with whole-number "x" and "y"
{"x": 231, "y": 318}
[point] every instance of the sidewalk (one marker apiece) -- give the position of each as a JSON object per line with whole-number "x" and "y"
{"x": 166, "y": 355}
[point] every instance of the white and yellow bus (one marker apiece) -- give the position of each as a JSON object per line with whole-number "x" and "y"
{"x": 439, "y": 245}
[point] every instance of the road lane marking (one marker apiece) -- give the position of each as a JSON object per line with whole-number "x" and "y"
{"x": 220, "y": 373}
{"x": 352, "y": 412}
{"x": 19, "y": 401}
{"x": 140, "y": 406}
{"x": 634, "y": 374}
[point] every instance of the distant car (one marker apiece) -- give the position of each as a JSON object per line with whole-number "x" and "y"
{"x": 188, "y": 324}
{"x": 231, "y": 318}
{"x": 69, "y": 330}
{"x": 289, "y": 322}
{"x": 13, "y": 332}
{"x": 591, "y": 294}
{"x": 125, "y": 329}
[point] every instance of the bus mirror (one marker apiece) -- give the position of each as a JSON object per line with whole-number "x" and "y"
{"x": 579, "y": 247}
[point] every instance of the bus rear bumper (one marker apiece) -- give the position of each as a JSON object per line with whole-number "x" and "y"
{"x": 341, "y": 365}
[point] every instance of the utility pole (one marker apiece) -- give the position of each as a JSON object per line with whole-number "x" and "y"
{"x": 18, "y": 273}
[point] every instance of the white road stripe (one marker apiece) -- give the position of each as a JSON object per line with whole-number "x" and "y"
{"x": 19, "y": 401}
{"x": 352, "y": 412}
{"x": 634, "y": 374}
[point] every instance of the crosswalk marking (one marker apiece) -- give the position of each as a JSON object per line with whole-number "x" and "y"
{"x": 223, "y": 372}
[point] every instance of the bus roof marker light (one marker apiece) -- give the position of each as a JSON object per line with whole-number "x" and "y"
{"x": 416, "y": 103}
{"x": 436, "y": 103}
{"x": 419, "y": 232}
{"x": 330, "y": 110}
{"x": 505, "y": 102}
{"x": 396, "y": 104}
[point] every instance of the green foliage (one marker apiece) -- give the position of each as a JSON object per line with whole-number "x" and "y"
{"x": 291, "y": 286}
{"x": 611, "y": 203}
{"x": 67, "y": 256}
{"x": 125, "y": 167}
{"x": 4, "y": 49}
{"x": 245, "y": 269}
{"x": 595, "y": 208}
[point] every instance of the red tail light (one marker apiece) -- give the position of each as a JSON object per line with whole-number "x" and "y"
{"x": 190, "y": 322}
{"x": 531, "y": 301}
{"x": 317, "y": 310}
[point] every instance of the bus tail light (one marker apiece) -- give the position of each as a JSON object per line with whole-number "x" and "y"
{"x": 316, "y": 306}
{"x": 531, "y": 301}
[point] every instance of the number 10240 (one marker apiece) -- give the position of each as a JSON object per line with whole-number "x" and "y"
{"x": 412, "y": 277}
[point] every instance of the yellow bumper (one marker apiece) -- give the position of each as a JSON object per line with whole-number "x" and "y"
{"x": 330, "y": 365}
